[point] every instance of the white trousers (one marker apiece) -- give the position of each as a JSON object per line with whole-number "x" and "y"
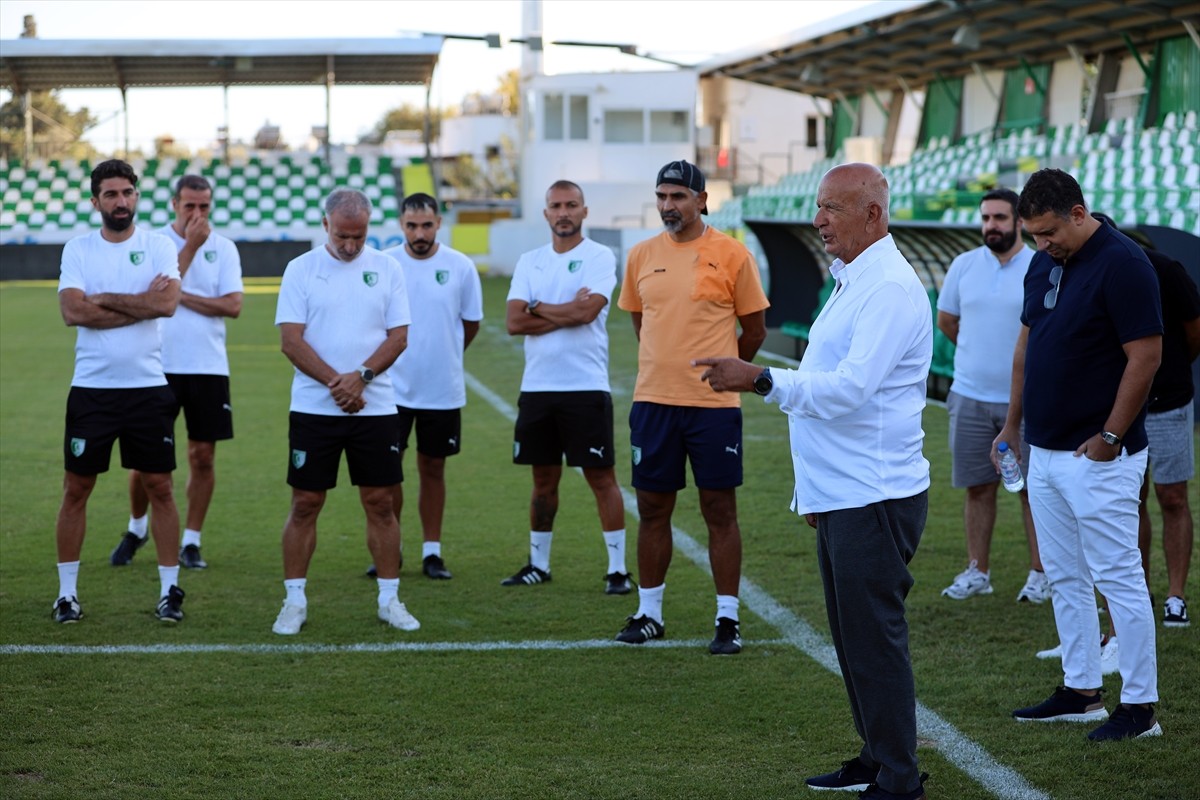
{"x": 1086, "y": 515}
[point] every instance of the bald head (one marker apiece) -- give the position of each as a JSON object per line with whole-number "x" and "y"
{"x": 852, "y": 211}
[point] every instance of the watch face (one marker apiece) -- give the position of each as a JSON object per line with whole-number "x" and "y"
{"x": 763, "y": 383}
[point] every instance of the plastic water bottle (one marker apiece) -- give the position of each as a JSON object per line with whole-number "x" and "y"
{"x": 1010, "y": 470}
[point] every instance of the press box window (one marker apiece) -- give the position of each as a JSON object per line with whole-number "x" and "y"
{"x": 623, "y": 127}
{"x": 668, "y": 126}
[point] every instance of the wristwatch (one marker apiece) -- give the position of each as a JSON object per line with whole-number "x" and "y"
{"x": 1111, "y": 438}
{"x": 532, "y": 305}
{"x": 367, "y": 374}
{"x": 763, "y": 384}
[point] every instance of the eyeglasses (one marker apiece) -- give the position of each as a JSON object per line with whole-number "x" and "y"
{"x": 1051, "y": 298}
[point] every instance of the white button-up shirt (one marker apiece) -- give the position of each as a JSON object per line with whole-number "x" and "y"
{"x": 854, "y": 404}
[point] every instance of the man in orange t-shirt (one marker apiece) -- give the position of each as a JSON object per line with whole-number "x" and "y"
{"x": 688, "y": 289}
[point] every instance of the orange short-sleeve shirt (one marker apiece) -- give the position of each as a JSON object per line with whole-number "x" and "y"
{"x": 690, "y": 296}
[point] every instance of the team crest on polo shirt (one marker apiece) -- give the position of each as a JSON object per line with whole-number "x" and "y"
{"x": 78, "y": 446}
{"x": 574, "y": 266}
{"x": 298, "y": 458}
{"x": 137, "y": 256}
{"x": 210, "y": 256}
{"x": 442, "y": 276}
{"x": 637, "y": 454}
{"x": 370, "y": 278}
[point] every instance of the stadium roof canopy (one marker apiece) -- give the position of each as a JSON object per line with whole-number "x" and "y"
{"x": 913, "y": 43}
{"x": 41, "y": 64}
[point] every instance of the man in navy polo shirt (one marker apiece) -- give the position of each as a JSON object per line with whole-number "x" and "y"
{"x": 1090, "y": 344}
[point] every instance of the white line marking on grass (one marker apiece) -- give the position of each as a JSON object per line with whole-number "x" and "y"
{"x": 363, "y": 647}
{"x": 965, "y": 754}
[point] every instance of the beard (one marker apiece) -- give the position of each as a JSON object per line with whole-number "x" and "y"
{"x": 117, "y": 224}
{"x": 421, "y": 247}
{"x": 565, "y": 229}
{"x": 672, "y": 222}
{"x": 1000, "y": 242}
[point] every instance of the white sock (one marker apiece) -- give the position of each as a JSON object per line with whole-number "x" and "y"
{"x": 431, "y": 549}
{"x": 139, "y": 526}
{"x": 68, "y": 575}
{"x": 539, "y": 549}
{"x": 190, "y": 537}
{"x": 167, "y": 577}
{"x": 389, "y": 589}
{"x": 614, "y": 542}
{"x": 650, "y": 602}
{"x": 295, "y": 592}
{"x": 727, "y": 606}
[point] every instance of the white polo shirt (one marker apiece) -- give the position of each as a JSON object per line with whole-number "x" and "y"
{"x": 194, "y": 343}
{"x": 347, "y": 310}
{"x": 987, "y": 298}
{"x": 571, "y": 359}
{"x": 129, "y": 357}
{"x": 854, "y": 404}
{"x": 443, "y": 291}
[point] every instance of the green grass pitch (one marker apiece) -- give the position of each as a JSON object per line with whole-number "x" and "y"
{"x": 489, "y": 710}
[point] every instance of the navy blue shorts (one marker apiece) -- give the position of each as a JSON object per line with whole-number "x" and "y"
{"x": 316, "y": 443}
{"x": 663, "y": 437}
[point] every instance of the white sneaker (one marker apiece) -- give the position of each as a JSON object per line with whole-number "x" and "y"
{"x": 968, "y": 582}
{"x": 1036, "y": 589}
{"x": 396, "y": 615}
{"x": 1053, "y": 652}
{"x": 290, "y": 620}
{"x": 1108, "y": 657}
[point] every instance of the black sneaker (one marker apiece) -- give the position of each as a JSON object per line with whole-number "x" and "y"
{"x": 372, "y": 572}
{"x": 1127, "y": 722}
{"x": 189, "y": 557}
{"x": 66, "y": 610}
{"x": 435, "y": 568}
{"x": 1065, "y": 705}
{"x": 170, "y": 608}
{"x": 618, "y": 583}
{"x": 528, "y": 575}
{"x": 877, "y": 792}
{"x": 854, "y": 776}
{"x": 639, "y": 630}
{"x": 1175, "y": 613}
{"x": 130, "y": 543}
{"x": 728, "y": 639}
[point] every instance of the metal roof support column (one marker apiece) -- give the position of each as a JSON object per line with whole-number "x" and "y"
{"x": 225, "y": 154}
{"x": 125, "y": 113}
{"x": 28, "y": 154}
{"x": 329, "y": 79}
{"x": 433, "y": 171}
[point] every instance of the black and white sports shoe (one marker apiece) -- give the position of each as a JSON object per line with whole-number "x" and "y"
{"x": 854, "y": 776}
{"x": 1175, "y": 613}
{"x": 1065, "y": 705}
{"x": 170, "y": 608}
{"x": 66, "y": 610}
{"x": 189, "y": 557}
{"x": 122, "y": 554}
{"x": 877, "y": 792}
{"x": 728, "y": 638}
{"x": 528, "y": 575}
{"x": 435, "y": 568}
{"x": 1128, "y": 722}
{"x": 618, "y": 583}
{"x": 639, "y": 630}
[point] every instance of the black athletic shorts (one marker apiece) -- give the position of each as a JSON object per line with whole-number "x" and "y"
{"x": 316, "y": 442}
{"x": 141, "y": 418}
{"x": 206, "y": 406}
{"x": 439, "y": 431}
{"x": 553, "y": 424}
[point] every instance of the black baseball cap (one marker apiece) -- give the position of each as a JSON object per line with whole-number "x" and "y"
{"x": 681, "y": 173}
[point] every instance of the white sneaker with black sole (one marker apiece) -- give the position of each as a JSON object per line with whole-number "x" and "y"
{"x": 1175, "y": 613}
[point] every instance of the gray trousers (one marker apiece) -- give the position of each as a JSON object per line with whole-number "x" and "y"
{"x": 864, "y": 555}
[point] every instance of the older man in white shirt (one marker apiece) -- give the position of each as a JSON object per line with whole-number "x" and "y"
{"x": 854, "y": 411}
